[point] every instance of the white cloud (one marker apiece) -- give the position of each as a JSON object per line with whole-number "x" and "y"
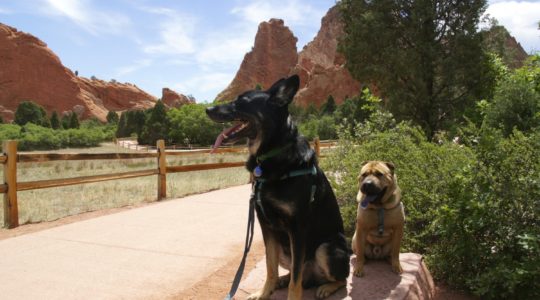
{"x": 84, "y": 15}
{"x": 293, "y": 12}
{"x": 5, "y": 11}
{"x": 140, "y": 64}
{"x": 205, "y": 86}
{"x": 175, "y": 31}
{"x": 521, "y": 19}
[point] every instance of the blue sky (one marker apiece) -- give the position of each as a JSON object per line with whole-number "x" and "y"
{"x": 193, "y": 47}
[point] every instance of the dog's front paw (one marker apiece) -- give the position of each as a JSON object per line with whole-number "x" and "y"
{"x": 260, "y": 295}
{"x": 358, "y": 271}
{"x": 396, "y": 267}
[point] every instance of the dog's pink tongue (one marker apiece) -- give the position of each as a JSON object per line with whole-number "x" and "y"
{"x": 218, "y": 141}
{"x": 222, "y": 136}
{"x": 367, "y": 200}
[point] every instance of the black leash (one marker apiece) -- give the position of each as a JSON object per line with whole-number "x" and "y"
{"x": 249, "y": 240}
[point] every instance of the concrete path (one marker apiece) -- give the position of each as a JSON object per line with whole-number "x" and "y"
{"x": 152, "y": 252}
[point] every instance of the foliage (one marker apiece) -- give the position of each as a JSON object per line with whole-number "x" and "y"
{"x": 55, "y": 121}
{"x": 35, "y": 137}
{"x": 131, "y": 123}
{"x": 30, "y": 112}
{"x": 323, "y": 127}
{"x": 74, "y": 120}
{"x": 329, "y": 107}
{"x": 190, "y": 125}
{"x": 471, "y": 209}
{"x": 425, "y": 57}
{"x": 488, "y": 235}
{"x": 516, "y": 103}
{"x": 156, "y": 125}
{"x": 357, "y": 109}
{"x": 112, "y": 117}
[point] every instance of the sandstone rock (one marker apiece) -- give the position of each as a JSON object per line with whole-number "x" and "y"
{"x": 319, "y": 65}
{"x": 174, "y": 99}
{"x": 322, "y": 68}
{"x": 29, "y": 70}
{"x": 272, "y": 57}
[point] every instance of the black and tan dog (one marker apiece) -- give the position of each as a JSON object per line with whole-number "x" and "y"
{"x": 296, "y": 207}
{"x": 380, "y": 216}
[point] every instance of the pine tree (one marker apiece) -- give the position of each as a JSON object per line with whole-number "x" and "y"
{"x": 74, "y": 121}
{"x": 156, "y": 126}
{"x": 329, "y": 107}
{"x": 112, "y": 117}
{"x": 55, "y": 121}
{"x": 425, "y": 57}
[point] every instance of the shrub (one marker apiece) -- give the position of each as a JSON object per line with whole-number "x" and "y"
{"x": 323, "y": 127}
{"x": 30, "y": 112}
{"x": 471, "y": 209}
{"x": 190, "y": 123}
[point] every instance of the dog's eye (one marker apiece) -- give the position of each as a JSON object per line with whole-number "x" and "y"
{"x": 378, "y": 174}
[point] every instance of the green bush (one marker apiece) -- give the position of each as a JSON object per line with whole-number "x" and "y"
{"x": 190, "y": 124}
{"x": 323, "y": 127}
{"x": 489, "y": 235}
{"x": 34, "y": 137}
{"x": 472, "y": 210}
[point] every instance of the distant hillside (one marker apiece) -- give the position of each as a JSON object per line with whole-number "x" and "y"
{"x": 29, "y": 70}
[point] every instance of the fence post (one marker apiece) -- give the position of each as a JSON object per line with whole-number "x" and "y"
{"x": 11, "y": 209}
{"x": 162, "y": 166}
{"x": 317, "y": 146}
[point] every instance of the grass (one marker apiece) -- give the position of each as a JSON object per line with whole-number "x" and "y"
{"x": 54, "y": 203}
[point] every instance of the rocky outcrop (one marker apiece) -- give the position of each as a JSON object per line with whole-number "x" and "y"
{"x": 322, "y": 68}
{"x": 174, "y": 99}
{"x": 319, "y": 65}
{"x": 29, "y": 70}
{"x": 498, "y": 40}
{"x": 273, "y": 56}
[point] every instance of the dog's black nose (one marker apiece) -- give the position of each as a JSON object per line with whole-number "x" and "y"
{"x": 210, "y": 109}
{"x": 369, "y": 187}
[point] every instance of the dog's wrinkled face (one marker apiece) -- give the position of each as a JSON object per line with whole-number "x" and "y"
{"x": 255, "y": 113}
{"x": 375, "y": 179}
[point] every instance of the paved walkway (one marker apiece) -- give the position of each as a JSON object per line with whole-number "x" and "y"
{"x": 158, "y": 251}
{"x": 151, "y": 252}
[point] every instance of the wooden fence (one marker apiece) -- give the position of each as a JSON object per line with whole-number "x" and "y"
{"x": 11, "y": 186}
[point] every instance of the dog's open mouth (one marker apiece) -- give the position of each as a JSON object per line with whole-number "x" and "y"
{"x": 373, "y": 198}
{"x": 239, "y": 130}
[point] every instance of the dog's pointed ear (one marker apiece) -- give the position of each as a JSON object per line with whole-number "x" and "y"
{"x": 282, "y": 92}
{"x": 390, "y": 166}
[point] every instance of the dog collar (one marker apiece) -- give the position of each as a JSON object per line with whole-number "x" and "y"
{"x": 272, "y": 153}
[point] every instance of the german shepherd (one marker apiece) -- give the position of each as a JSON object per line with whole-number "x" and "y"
{"x": 296, "y": 207}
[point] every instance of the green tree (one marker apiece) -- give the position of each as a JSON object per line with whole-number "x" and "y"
{"x": 30, "y": 112}
{"x": 516, "y": 103}
{"x": 65, "y": 120}
{"x": 112, "y": 117}
{"x": 74, "y": 120}
{"x": 156, "y": 126}
{"x": 425, "y": 56}
{"x": 55, "y": 121}
{"x": 122, "y": 123}
{"x": 329, "y": 106}
{"x": 190, "y": 123}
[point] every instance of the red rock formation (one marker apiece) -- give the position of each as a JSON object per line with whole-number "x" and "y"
{"x": 272, "y": 57}
{"x": 29, "y": 70}
{"x": 319, "y": 65}
{"x": 322, "y": 69}
{"x": 174, "y": 99}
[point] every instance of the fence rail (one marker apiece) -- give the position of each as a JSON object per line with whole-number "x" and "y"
{"x": 11, "y": 186}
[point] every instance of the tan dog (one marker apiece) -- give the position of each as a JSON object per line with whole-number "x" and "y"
{"x": 380, "y": 216}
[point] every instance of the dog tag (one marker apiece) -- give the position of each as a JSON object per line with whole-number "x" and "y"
{"x": 257, "y": 172}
